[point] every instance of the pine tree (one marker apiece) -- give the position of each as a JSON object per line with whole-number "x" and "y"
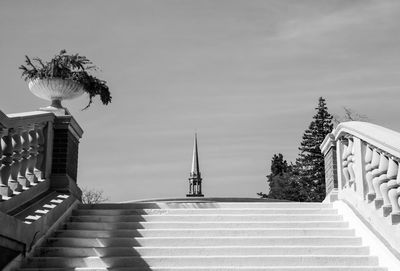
{"x": 304, "y": 181}
{"x": 310, "y": 163}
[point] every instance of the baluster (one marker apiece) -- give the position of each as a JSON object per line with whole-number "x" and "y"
{"x": 369, "y": 176}
{"x": 39, "y": 167}
{"x": 17, "y": 157}
{"x": 387, "y": 178}
{"x": 394, "y": 193}
{"x": 379, "y": 175}
{"x": 351, "y": 164}
{"x": 2, "y": 132}
{"x": 5, "y": 167}
{"x": 33, "y": 146}
{"x": 25, "y": 159}
{"x": 368, "y": 160}
{"x": 345, "y": 164}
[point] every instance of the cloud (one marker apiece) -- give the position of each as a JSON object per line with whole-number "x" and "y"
{"x": 338, "y": 20}
{"x": 246, "y": 74}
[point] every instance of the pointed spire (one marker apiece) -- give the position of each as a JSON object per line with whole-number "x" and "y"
{"x": 195, "y": 179}
{"x": 195, "y": 172}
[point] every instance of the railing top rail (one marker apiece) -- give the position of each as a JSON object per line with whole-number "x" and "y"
{"x": 380, "y": 137}
{"x": 25, "y": 118}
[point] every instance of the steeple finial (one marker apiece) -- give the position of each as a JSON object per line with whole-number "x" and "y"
{"x": 195, "y": 159}
{"x": 195, "y": 175}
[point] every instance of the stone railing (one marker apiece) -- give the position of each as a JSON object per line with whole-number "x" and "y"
{"x": 25, "y": 141}
{"x": 38, "y": 175}
{"x": 362, "y": 169}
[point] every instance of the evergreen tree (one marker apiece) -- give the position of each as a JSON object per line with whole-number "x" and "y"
{"x": 304, "y": 181}
{"x": 275, "y": 179}
{"x": 279, "y": 167}
{"x": 284, "y": 181}
{"x": 310, "y": 163}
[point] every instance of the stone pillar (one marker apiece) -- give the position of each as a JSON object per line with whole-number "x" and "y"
{"x": 67, "y": 134}
{"x": 330, "y": 165}
{"x": 340, "y": 149}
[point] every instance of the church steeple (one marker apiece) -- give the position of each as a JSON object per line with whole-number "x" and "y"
{"x": 195, "y": 175}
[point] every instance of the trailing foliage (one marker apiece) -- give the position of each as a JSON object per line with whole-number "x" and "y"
{"x": 69, "y": 67}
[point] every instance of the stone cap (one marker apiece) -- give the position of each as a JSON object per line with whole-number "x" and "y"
{"x": 380, "y": 137}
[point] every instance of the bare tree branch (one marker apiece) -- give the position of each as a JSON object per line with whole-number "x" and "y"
{"x": 93, "y": 196}
{"x": 349, "y": 115}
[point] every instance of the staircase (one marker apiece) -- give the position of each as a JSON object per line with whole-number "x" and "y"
{"x": 202, "y": 235}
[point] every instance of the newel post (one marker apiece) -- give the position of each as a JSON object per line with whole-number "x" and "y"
{"x": 328, "y": 148}
{"x": 66, "y": 134}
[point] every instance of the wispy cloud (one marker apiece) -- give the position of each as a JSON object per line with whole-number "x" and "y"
{"x": 355, "y": 16}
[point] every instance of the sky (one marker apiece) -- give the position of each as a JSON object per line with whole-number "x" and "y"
{"x": 246, "y": 75}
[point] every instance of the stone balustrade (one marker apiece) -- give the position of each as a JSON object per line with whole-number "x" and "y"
{"x": 37, "y": 147}
{"x": 38, "y": 165}
{"x": 368, "y": 170}
{"x": 24, "y": 140}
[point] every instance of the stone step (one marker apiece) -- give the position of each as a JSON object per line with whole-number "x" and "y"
{"x": 203, "y": 235}
{"x": 204, "y": 218}
{"x": 203, "y": 204}
{"x": 221, "y": 268}
{"x": 221, "y": 232}
{"x": 203, "y": 261}
{"x": 203, "y": 241}
{"x": 198, "y": 251}
{"x": 247, "y": 211}
{"x": 36, "y": 205}
{"x": 205, "y": 225}
{"x": 200, "y": 236}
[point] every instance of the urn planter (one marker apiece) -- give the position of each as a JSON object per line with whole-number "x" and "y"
{"x": 55, "y": 90}
{"x": 65, "y": 76}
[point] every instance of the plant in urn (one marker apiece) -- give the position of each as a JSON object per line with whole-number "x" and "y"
{"x": 65, "y": 76}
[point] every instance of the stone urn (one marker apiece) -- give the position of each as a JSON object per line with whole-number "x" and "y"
{"x": 55, "y": 90}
